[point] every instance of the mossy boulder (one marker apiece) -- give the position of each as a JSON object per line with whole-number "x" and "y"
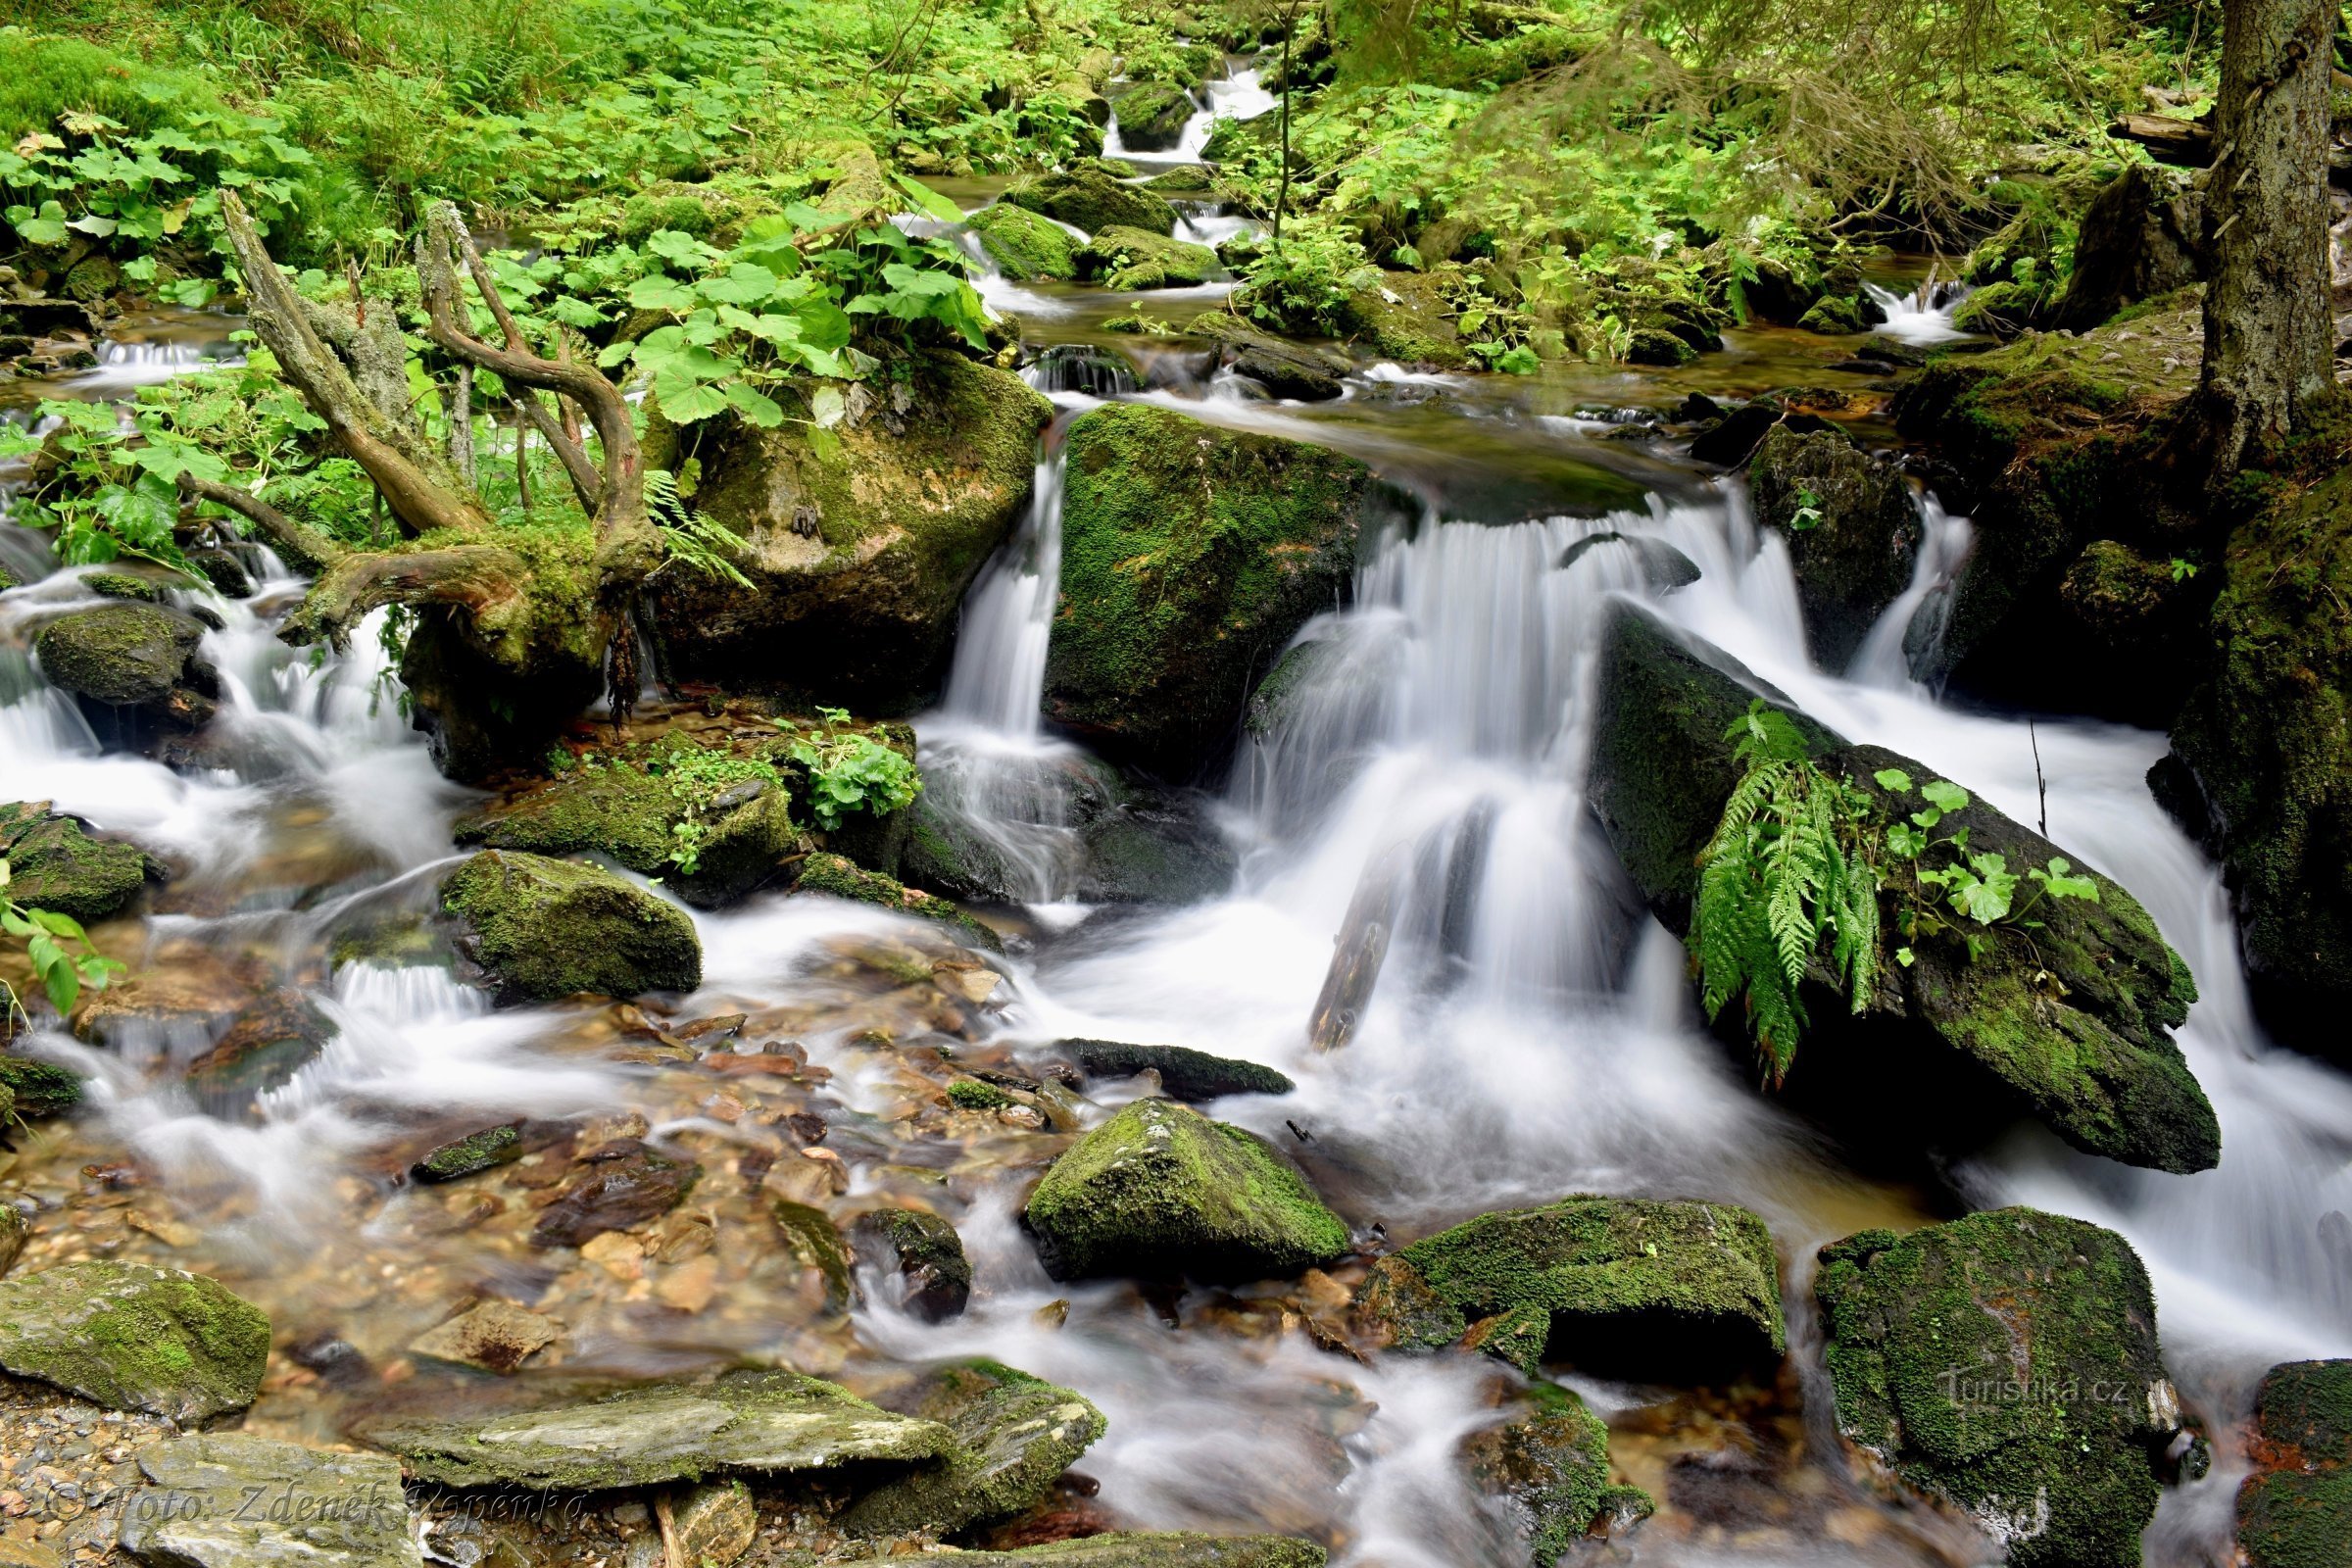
{"x": 1852, "y": 526}
{"x": 135, "y": 1337}
{"x": 923, "y": 1253}
{"x": 1190, "y": 557}
{"x": 836, "y": 876}
{"x": 1126, "y": 259}
{"x": 1152, "y": 116}
{"x": 2008, "y": 1364}
{"x": 1090, "y": 197}
{"x": 1406, "y": 316}
{"x": 763, "y": 1422}
{"x": 645, "y": 806}
{"x": 1159, "y": 1190}
{"x": 1025, "y": 245}
{"x": 1183, "y": 1074}
{"x": 1548, "y": 1473}
{"x": 2140, "y": 238}
{"x": 230, "y": 1500}
{"x": 139, "y": 659}
{"x": 1285, "y": 368}
{"x": 1630, "y": 1287}
{"x": 1014, "y": 1436}
{"x": 1833, "y": 315}
{"x": 862, "y": 539}
{"x": 538, "y": 928}
{"x": 2295, "y": 1510}
{"x": 2070, "y": 1023}
{"x": 40, "y": 1087}
{"x": 1655, "y": 345}
{"x": 54, "y": 864}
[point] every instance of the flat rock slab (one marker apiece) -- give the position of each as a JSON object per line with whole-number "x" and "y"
{"x": 493, "y": 1336}
{"x": 136, "y": 1338}
{"x": 1183, "y": 1074}
{"x": 1014, "y": 1437}
{"x": 660, "y": 1432}
{"x": 232, "y": 1500}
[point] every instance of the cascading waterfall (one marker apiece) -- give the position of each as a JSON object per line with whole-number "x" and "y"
{"x": 1908, "y": 636}
{"x": 1923, "y": 315}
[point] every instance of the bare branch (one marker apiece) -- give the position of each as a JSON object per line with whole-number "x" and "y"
{"x": 297, "y": 543}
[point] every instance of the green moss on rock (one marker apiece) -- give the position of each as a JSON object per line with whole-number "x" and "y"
{"x": 836, "y": 876}
{"x": 1123, "y": 257}
{"x": 40, "y": 1087}
{"x": 540, "y": 928}
{"x": 926, "y": 1254}
{"x": 1014, "y": 1437}
{"x": 1183, "y": 1074}
{"x": 2007, "y": 1363}
{"x": 471, "y": 1154}
{"x": 1026, "y": 245}
{"x": 1152, "y": 116}
{"x": 1160, "y": 1190}
{"x": 1190, "y": 557}
{"x": 1632, "y": 1285}
{"x": 53, "y": 865}
{"x": 1548, "y": 1471}
{"x": 130, "y": 654}
{"x": 973, "y": 1094}
{"x": 1285, "y": 368}
{"x": 1089, "y": 196}
{"x": 2295, "y": 1512}
{"x": 1852, "y": 530}
{"x": 1406, "y": 316}
{"x": 1833, "y": 315}
{"x": 136, "y": 1338}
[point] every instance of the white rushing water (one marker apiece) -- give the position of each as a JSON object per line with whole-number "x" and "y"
{"x": 1922, "y": 316}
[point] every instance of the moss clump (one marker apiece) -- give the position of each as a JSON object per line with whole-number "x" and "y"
{"x": 1091, "y": 198}
{"x": 1184, "y": 1074}
{"x": 1852, "y": 529}
{"x": 1634, "y": 1284}
{"x": 1014, "y": 1437}
{"x": 1407, "y": 318}
{"x": 471, "y": 1154}
{"x": 53, "y": 865}
{"x": 1833, "y": 315}
{"x": 1025, "y": 245}
{"x": 1152, "y": 116}
{"x": 1124, "y": 257}
{"x": 836, "y": 876}
{"x": 972, "y": 1093}
{"x": 2295, "y": 1512}
{"x": 40, "y": 1088}
{"x": 2007, "y": 1363}
{"x": 540, "y": 929}
{"x": 1655, "y": 345}
{"x": 1549, "y": 1471}
{"x": 1160, "y": 1190}
{"x": 135, "y": 1337}
{"x": 1190, "y": 557}
{"x": 122, "y": 585}
{"x": 925, "y": 1252}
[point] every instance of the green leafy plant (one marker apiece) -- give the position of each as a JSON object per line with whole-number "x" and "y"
{"x": 1975, "y": 888}
{"x": 1784, "y": 886}
{"x": 850, "y": 772}
{"x": 1807, "y": 515}
{"x": 60, "y": 953}
{"x": 697, "y": 779}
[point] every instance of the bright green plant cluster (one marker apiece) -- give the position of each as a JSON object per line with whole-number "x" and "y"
{"x": 1977, "y": 888}
{"x": 60, "y": 953}
{"x": 849, "y": 770}
{"x": 698, "y": 778}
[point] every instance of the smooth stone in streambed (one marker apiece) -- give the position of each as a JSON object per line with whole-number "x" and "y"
{"x": 1631, "y": 1287}
{"x": 471, "y": 1154}
{"x": 925, "y": 1254}
{"x": 2006, "y": 1362}
{"x": 2295, "y": 1512}
{"x": 233, "y": 1500}
{"x": 1664, "y": 568}
{"x": 757, "y": 1421}
{"x": 623, "y": 1184}
{"x": 1014, "y": 1437}
{"x": 1159, "y": 1190}
{"x": 1152, "y": 115}
{"x": 492, "y": 1337}
{"x": 539, "y": 929}
{"x": 135, "y": 1337}
{"x": 1183, "y": 1074}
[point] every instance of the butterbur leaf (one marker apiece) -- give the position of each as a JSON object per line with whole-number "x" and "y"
{"x": 1943, "y": 795}
{"x": 757, "y": 408}
{"x": 1894, "y": 778}
{"x": 1927, "y": 817}
{"x": 744, "y": 283}
{"x": 928, "y": 202}
{"x": 683, "y": 401}
{"x": 826, "y": 406}
{"x": 660, "y": 294}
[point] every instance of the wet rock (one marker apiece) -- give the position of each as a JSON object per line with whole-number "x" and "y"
{"x": 624, "y": 1184}
{"x": 265, "y": 1044}
{"x": 634, "y": 807}
{"x": 810, "y": 1235}
{"x": 1160, "y": 1190}
{"x": 2008, "y": 1364}
{"x": 1729, "y": 441}
{"x": 491, "y": 1337}
{"x": 54, "y": 864}
{"x": 1183, "y": 1074}
{"x": 862, "y": 539}
{"x": 715, "y": 1524}
{"x": 1014, "y": 1436}
{"x": 2140, "y": 238}
{"x": 1833, "y": 315}
{"x": 925, "y": 1255}
{"x": 1190, "y": 557}
{"x": 2071, "y": 1026}
{"x": 224, "y": 571}
{"x": 1406, "y": 318}
{"x": 1152, "y": 116}
{"x": 1548, "y": 1473}
{"x": 1285, "y": 368}
{"x": 1852, "y": 531}
{"x": 136, "y": 1338}
{"x": 1124, "y": 259}
{"x": 230, "y": 1500}
{"x": 1633, "y": 1287}
{"x": 540, "y": 928}
{"x": 471, "y": 1154}
{"x": 2295, "y": 1512}
{"x": 1663, "y": 567}
{"x": 1654, "y": 345}
{"x": 1090, "y": 197}
{"x": 834, "y": 876}
{"x": 754, "y": 1421}
{"x": 40, "y": 1087}
{"x": 1025, "y": 245}
{"x": 138, "y": 659}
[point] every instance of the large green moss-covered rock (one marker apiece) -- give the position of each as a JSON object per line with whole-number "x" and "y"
{"x": 1631, "y": 1286}
{"x": 1285, "y": 368}
{"x": 1152, "y": 116}
{"x": 1090, "y": 196}
{"x": 540, "y": 928}
{"x": 136, "y": 656}
{"x": 862, "y": 539}
{"x": 1548, "y": 1473}
{"x": 53, "y": 865}
{"x": 1190, "y": 555}
{"x": 136, "y": 1338}
{"x": 1852, "y": 529}
{"x": 2295, "y": 1512}
{"x": 229, "y": 1500}
{"x": 757, "y": 1421}
{"x": 1160, "y": 1190}
{"x": 1124, "y": 259}
{"x": 1025, "y": 245}
{"x": 1014, "y": 1437}
{"x": 1406, "y": 316}
{"x": 2007, "y": 1363}
{"x": 2070, "y": 1022}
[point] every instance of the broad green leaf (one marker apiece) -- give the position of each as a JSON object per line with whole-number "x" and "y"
{"x": 928, "y": 202}
{"x": 684, "y": 402}
{"x": 827, "y": 406}
{"x": 1943, "y": 795}
{"x": 744, "y": 283}
{"x": 757, "y": 408}
{"x": 1894, "y": 778}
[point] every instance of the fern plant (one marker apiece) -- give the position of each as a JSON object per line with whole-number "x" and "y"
{"x": 1784, "y": 882}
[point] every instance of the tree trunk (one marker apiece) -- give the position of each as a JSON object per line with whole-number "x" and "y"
{"x": 2270, "y": 335}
